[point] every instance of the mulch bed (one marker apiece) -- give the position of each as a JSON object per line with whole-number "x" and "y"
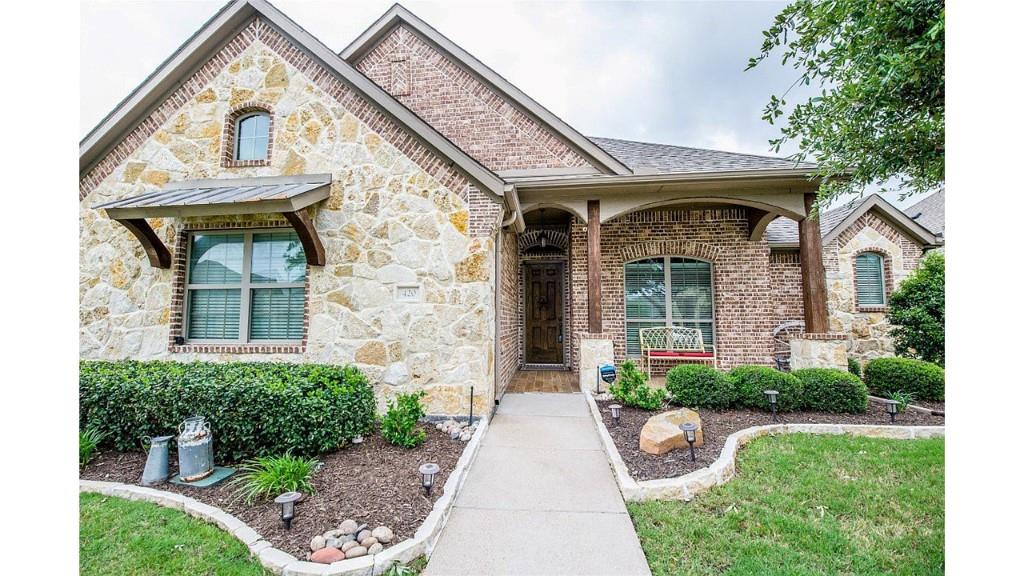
{"x": 374, "y": 482}
{"x": 717, "y": 426}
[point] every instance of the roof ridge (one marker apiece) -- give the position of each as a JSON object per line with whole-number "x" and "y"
{"x": 747, "y": 154}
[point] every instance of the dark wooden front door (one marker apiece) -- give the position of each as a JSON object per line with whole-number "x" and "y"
{"x": 544, "y": 311}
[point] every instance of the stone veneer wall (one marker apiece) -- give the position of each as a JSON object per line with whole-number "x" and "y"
{"x": 868, "y": 329}
{"x": 389, "y": 219}
{"x": 472, "y": 115}
{"x": 744, "y": 297}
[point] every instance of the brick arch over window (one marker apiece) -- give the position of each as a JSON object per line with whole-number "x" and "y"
{"x": 686, "y": 249}
{"x": 555, "y": 239}
{"x": 229, "y": 140}
{"x": 886, "y": 277}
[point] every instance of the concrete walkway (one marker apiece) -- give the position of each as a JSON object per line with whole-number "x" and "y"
{"x": 539, "y": 499}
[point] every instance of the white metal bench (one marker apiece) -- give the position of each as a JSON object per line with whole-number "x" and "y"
{"x": 674, "y": 344}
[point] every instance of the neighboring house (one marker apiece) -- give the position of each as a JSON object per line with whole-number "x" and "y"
{"x": 403, "y": 207}
{"x": 931, "y": 213}
{"x": 869, "y": 247}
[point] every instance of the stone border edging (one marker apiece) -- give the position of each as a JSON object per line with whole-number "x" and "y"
{"x": 724, "y": 468}
{"x": 280, "y": 562}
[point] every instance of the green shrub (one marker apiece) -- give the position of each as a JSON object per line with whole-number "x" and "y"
{"x": 853, "y": 367}
{"x": 254, "y": 409}
{"x": 832, "y": 390}
{"x": 699, "y": 386}
{"x": 267, "y": 477}
{"x": 752, "y": 381}
{"x": 88, "y": 440}
{"x": 632, "y": 389}
{"x": 924, "y": 380}
{"x": 398, "y": 425}
{"x": 903, "y": 399}
{"x": 917, "y": 312}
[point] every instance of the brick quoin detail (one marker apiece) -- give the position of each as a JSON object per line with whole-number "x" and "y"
{"x": 476, "y": 118}
{"x": 178, "y": 269}
{"x": 259, "y": 31}
{"x": 228, "y": 141}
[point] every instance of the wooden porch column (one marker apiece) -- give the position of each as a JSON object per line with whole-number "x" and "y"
{"x": 812, "y": 271}
{"x": 594, "y": 265}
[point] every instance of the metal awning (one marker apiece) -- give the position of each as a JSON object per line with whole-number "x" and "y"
{"x": 289, "y": 195}
{"x": 224, "y": 197}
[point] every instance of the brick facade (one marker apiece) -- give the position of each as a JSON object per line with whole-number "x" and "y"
{"x": 478, "y": 119}
{"x": 743, "y": 297}
{"x": 509, "y": 315}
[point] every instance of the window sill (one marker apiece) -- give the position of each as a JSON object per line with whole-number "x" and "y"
{"x": 244, "y": 163}
{"x": 872, "y": 308}
{"x": 237, "y": 348}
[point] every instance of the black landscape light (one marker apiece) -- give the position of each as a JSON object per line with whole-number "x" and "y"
{"x": 427, "y": 473}
{"x": 690, "y": 431}
{"x": 287, "y": 502}
{"x": 773, "y": 400}
{"x": 892, "y": 407}
{"x": 615, "y": 412}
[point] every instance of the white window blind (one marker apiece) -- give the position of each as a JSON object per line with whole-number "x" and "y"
{"x": 245, "y": 286}
{"x": 668, "y": 291}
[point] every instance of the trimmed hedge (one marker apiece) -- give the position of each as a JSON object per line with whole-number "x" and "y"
{"x": 924, "y": 380}
{"x": 832, "y": 390}
{"x": 752, "y": 381}
{"x": 699, "y": 386}
{"x": 254, "y": 409}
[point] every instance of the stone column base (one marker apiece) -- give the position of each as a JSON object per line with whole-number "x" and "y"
{"x": 818, "y": 351}
{"x": 594, "y": 350}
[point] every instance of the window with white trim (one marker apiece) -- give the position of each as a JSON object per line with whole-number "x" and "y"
{"x": 668, "y": 291}
{"x": 252, "y": 136}
{"x": 245, "y": 286}
{"x": 870, "y": 270}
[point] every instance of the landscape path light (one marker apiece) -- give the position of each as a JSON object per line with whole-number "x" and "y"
{"x": 427, "y": 473}
{"x": 892, "y": 407}
{"x": 690, "y": 432}
{"x": 773, "y": 400}
{"x": 615, "y": 412}
{"x": 287, "y": 502}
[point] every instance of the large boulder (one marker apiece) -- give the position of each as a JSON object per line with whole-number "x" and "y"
{"x": 661, "y": 433}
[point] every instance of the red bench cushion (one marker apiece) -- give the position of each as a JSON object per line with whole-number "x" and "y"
{"x": 679, "y": 354}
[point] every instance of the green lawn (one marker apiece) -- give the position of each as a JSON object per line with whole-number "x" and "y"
{"x": 805, "y": 504}
{"x": 119, "y": 536}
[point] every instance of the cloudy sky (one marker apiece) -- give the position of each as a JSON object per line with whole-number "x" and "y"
{"x": 670, "y": 72}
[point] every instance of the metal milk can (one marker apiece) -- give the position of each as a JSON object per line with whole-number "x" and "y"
{"x": 195, "y": 449}
{"x": 156, "y": 471}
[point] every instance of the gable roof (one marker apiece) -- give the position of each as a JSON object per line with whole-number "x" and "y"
{"x": 217, "y": 31}
{"x": 647, "y": 157}
{"x": 930, "y": 212}
{"x": 784, "y": 232}
{"x": 399, "y": 15}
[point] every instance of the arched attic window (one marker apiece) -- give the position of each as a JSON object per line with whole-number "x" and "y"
{"x": 248, "y": 136}
{"x": 252, "y": 136}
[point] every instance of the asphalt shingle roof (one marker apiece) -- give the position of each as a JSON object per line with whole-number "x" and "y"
{"x": 931, "y": 212}
{"x": 784, "y": 230}
{"x": 665, "y": 158}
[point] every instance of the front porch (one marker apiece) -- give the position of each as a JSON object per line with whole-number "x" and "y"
{"x": 604, "y": 264}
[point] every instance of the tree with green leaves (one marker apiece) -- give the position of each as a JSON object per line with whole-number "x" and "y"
{"x": 917, "y": 312}
{"x": 880, "y": 115}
